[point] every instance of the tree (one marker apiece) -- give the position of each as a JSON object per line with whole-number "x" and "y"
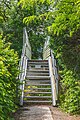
{"x": 66, "y": 43}
{"x": 59, "y": 19}
{"x": 37, "y": 19}
{"x": 12, "y": 24}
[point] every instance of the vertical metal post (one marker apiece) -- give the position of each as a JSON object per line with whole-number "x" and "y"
{"x": 53, "y": 85}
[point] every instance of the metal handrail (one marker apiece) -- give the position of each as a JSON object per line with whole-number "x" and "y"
{"x": 53, "y": 71}
{"x": 26, "y": 54}
{"x": 46, "y": 50}
{"x": 53, "y": 86}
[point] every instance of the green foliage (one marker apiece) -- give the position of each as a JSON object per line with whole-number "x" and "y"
{"x": 65, "y": 31}
{"x": 36, "y": 47}
{"x": 62, "y": 19}
{"x": 29, "y": 4}
{"x": 70, "y": 94}
{"x": 68, "y": 57}
{"x": 67, "y": 17}
{"x": 37, "y": 18}
{"x": 11, "y": 23}
{"x": 8, "y": 82}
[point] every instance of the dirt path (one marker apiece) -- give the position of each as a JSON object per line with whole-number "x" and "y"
{"x": 34, "y": 113}
{"x": 59, "y": 115}
{"x": 42, "y": 112}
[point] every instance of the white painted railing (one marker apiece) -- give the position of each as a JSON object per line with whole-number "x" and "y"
{"x": 53, "y": 71}
{"x": 26, "y": 54}
{"x": 46, "y": 50}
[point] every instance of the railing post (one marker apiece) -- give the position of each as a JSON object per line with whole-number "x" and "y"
{"x": 46, "y": 51}
{"x": 55, "y": 71}
{"x": 47, "y": 54}
{"x": 53, "y": 84}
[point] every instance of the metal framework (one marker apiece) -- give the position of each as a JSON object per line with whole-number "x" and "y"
{"x": 26, "y": 54}
{"x": 53, "y": 71}
{"x": 47, "y": 55}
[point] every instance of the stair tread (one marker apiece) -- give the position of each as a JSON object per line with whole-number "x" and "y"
{"x": 41, "y": 88}
{"x": 37, "y": 92}
{"x": 37, "y": 96}
{"x": 34, "y": 65}
{"x": 38, "y": 88}
{"x": 39, "y": 101}
{"x": 37, "y": 60}
{"x": 31, "y": 73}
{"x": 37, "y": 70}
{"x": 38, "y": 77}
{"x": 38, "y": 84}
{"x": 38, "y": 80}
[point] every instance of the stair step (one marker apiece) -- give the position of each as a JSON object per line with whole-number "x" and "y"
{"x": 37, "y": 63}
{"x": 41, "y": 88}
{"x": 43, "y": 71}
{"x": 38, "y": 85}
{"x": 32, "y": 82}
{"x": 37, "y": 60}
{"x": 38, "y": 77}
{"x": 37, "y": 74}
{"x": 32, "y": 101}
{"x": 38, "y": 89}
{"x": 46, "y": 65}
{"x": 37, "y": 92}
{"x": 37, "y": 96}
{"x": 38, "y": 80}
{"x": 37, "y": 69}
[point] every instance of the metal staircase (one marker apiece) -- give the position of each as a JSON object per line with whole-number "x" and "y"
{"x": 39, "y": 78}
{"x": 38, "y": 84}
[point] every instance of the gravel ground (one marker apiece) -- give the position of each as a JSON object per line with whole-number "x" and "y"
{"x": 42, "y": 112}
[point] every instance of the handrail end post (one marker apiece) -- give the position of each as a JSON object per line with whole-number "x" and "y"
{"x": 54, "y": 103}
{"x": 21, "y": 102}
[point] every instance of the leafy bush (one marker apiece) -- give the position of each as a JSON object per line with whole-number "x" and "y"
{"x": 8, "y": 83}
{"x": 70, "y": 94}
{"x": 65, "y": 36}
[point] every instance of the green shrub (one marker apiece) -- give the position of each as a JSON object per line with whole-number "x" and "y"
{"x": 8, "y": 82}
{"x": 70, "y": 94}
